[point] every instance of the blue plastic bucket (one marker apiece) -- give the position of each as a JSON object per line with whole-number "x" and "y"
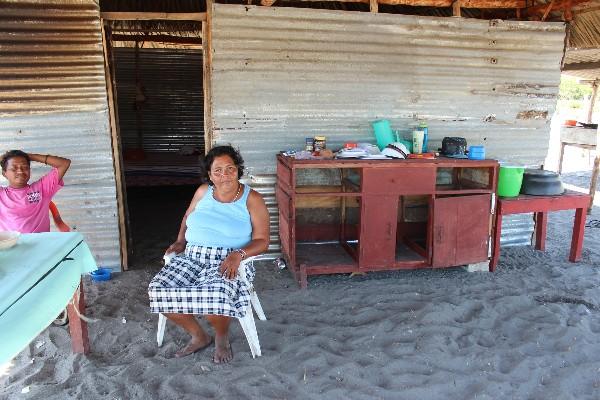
{"x": 383, "y": 133}
{"x": 476, "y": 152}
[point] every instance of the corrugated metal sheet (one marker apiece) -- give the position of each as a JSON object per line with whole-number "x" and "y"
{"x": 517, "y": 230}
{"x": 51, "y": 57}
{"x": 265, "y": 185}
{"x": 53, "y": 100}
{"x": 172, "y": 114}
{"x": 282, "y": 74}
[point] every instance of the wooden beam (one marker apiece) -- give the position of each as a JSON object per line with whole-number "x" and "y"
{"x": 434, "y": 3}
{"x": 152, "y": 16}
{"x": 582, "y": 66}
{"x": 456, "y": 8}
{"x": 157, "y": 38}
{"x": 374, "y": 6}
{"x": 558, "y": 5}
{"x": 568, "y": 13}
{"x": 548, "y": 9}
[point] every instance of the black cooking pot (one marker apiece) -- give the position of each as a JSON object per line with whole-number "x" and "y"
{"x": 455, "y": 147}
{"x": 538, "y": 182}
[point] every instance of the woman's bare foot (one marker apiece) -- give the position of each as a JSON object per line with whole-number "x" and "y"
{"x": 195, "y": 345}
{"x": 223, "y": 353}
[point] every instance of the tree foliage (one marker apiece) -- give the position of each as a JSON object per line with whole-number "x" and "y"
{"x": 571, "y": 90}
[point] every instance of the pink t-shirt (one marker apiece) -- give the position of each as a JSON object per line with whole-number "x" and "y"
{"x": 26, "y": 210}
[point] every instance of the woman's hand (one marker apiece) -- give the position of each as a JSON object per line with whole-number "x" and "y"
{"x": 177, "y": 247}
{"x": 229, "y": 267}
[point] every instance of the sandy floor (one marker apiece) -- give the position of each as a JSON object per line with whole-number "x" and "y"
{"x": 529, "y": 331}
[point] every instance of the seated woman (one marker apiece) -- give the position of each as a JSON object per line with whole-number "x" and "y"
{"x": 24, "y": 207}
{"x": 225, "y": 223}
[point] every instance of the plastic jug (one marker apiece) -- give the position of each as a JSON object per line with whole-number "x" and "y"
{"x": 383, "y": 133}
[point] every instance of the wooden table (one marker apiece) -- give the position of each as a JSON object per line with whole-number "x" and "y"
{"x": 541, "y": 205}
{"x": 39, "y": 277}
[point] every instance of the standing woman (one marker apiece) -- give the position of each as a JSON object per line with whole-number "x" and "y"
{"x": 225, "y": 223}
{"x": 24, "y": 207}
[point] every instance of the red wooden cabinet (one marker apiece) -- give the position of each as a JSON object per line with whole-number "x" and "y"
{"x": 359, "y": 215}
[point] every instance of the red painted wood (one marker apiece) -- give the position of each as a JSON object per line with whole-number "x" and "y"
{"x": 473, "y": 224}
{"x": 542, "y": 205}
{"x": 526, "y": 204}
{"x": 497, "y": 234}
{"x": 541, "y": 223}
{"x": 77, "y": 327}
{"x": 405, "y": 181}
{"x": 577, "y": 237}
{"x": 460, "y": 230}
{"x": 445, "y": 219}
{"x": 382, "y": 182}
{"x": 378, "y": 231}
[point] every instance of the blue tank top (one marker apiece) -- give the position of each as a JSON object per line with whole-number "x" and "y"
{"x": 216, "y": 224}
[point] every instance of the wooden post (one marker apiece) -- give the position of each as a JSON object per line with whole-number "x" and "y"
{"x": 456, "y": 8}
{"x": 80, "y": 341}
{"x": 595, "y": 172}
{"x": 207, "y": 76}
{"x": 374, "y": 6}
{"x": 592, "y": 101}
{"x": 116, "y": 146}
{"x": 562, "y": 156}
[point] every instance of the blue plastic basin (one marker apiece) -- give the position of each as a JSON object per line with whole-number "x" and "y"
{"x": 101, "y": 274}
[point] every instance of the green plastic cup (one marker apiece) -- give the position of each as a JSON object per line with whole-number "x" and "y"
{"x": 510, "y": 179}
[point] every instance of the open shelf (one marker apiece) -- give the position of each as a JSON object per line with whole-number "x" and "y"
{"x": 324, "y": 257}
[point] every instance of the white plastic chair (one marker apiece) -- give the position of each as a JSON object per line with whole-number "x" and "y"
{"x": 247, "y": 322}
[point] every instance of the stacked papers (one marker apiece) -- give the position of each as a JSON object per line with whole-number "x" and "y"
{"x": 351, "y": 153}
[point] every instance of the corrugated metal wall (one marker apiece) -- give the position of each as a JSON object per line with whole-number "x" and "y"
{"x": 282, "y": 74}
{"x": 173, "y": 113}
{"x": 54, "y": 101}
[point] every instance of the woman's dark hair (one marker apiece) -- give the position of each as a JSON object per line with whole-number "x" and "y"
{"x": 223, "y": 151}
{"x": 12, "y": 154}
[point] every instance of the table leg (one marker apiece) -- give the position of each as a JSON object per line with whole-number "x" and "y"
{"x": 77, "y": 327}
{"x": 497, "y": 234}
{"x": 577, "y": 238}
{"x": 541, "y": 223}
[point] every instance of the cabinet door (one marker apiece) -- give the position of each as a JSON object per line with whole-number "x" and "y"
{"x": 461, "y": 230}
{"x": 377, "y": 243}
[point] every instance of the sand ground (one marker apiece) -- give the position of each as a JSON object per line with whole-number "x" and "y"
{"x": 529, "y": 331}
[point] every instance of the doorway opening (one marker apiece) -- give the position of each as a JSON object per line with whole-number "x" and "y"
{"x": 156, "y": 73}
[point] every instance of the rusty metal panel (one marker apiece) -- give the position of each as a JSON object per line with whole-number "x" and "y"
{"x": 54, "y": 101}
{"x": 171, "y": 114}
{"x": 282, "y": 74}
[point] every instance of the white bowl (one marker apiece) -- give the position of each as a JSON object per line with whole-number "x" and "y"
{"x": 8, "y": 239}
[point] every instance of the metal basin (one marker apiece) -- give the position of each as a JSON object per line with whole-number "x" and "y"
{"x": 538, "y": 182}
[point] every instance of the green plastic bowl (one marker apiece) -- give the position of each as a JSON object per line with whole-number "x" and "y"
{"x": 510, "y": 179}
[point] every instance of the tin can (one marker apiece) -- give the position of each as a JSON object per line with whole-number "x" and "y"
{"x": 320, "y": 143}
{"x": 309, "y": 144}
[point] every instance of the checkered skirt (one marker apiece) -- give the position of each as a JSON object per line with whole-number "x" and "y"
{"x": 192, "y": 284}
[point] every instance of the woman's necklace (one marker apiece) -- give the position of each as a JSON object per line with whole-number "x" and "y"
{"x": 234, "y": 197}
